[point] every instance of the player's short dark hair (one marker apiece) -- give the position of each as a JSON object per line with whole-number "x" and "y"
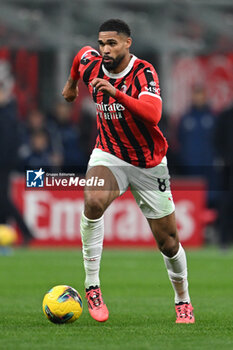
{"x": 115, "y": 25}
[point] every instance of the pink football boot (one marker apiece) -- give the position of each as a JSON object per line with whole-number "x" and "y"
{"x": 184, "y": 313}
{"x": 97, "y": 308}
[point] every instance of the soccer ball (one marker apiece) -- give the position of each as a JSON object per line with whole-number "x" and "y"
{"x": 62, "y": 304}
{"x": 8, "y": 235}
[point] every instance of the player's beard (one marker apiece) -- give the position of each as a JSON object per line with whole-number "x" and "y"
{"x": 114, "y": 63}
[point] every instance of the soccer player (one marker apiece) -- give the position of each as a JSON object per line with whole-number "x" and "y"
{"x": 130, "y": 151}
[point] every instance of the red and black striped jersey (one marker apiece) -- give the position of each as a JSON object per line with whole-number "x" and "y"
{"x": 127, "y": 124}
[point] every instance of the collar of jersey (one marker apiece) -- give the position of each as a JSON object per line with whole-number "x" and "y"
{"x": 123, "y": 73}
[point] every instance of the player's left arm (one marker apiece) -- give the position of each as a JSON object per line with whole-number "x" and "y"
{"x": 146, "y": 108}
{"x": 148, "y": 105}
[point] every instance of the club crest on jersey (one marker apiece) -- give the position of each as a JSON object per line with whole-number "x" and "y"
{"x": 124, "y": 87}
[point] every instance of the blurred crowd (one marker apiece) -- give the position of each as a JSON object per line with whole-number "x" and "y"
{"x": 51, "y": 139}
{"x": 202, "y": 146}
{"x": 48, "y": 139}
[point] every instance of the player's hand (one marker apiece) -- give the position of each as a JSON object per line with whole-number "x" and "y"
{"x": 70, "y": 91}
{"x": 104, "y": 86}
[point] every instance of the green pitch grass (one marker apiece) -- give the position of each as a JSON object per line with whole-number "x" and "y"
{"x": 138, "y": 294}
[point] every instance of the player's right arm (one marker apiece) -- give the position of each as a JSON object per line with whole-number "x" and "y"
{"x": 80, "y": 62}
{"x": 70, "y": 90}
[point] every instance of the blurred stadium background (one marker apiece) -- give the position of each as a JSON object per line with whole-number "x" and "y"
{"x": 190, "y": 43}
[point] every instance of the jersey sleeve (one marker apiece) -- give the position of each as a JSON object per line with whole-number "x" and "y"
{"x": 147, "y": 82}
{"x": 148, "y": 104}
{"x": 86, "y": 55}
{"x": 146, "y": 108}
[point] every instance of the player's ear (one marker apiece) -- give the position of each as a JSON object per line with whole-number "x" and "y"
{"x": 128, "y": 42}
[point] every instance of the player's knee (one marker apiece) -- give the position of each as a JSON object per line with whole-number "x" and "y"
{"x": 169, "y": 246}
{"x": 94, "y": 206}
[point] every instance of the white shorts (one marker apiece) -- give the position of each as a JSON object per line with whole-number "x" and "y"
{"x": 149, "y": 186}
